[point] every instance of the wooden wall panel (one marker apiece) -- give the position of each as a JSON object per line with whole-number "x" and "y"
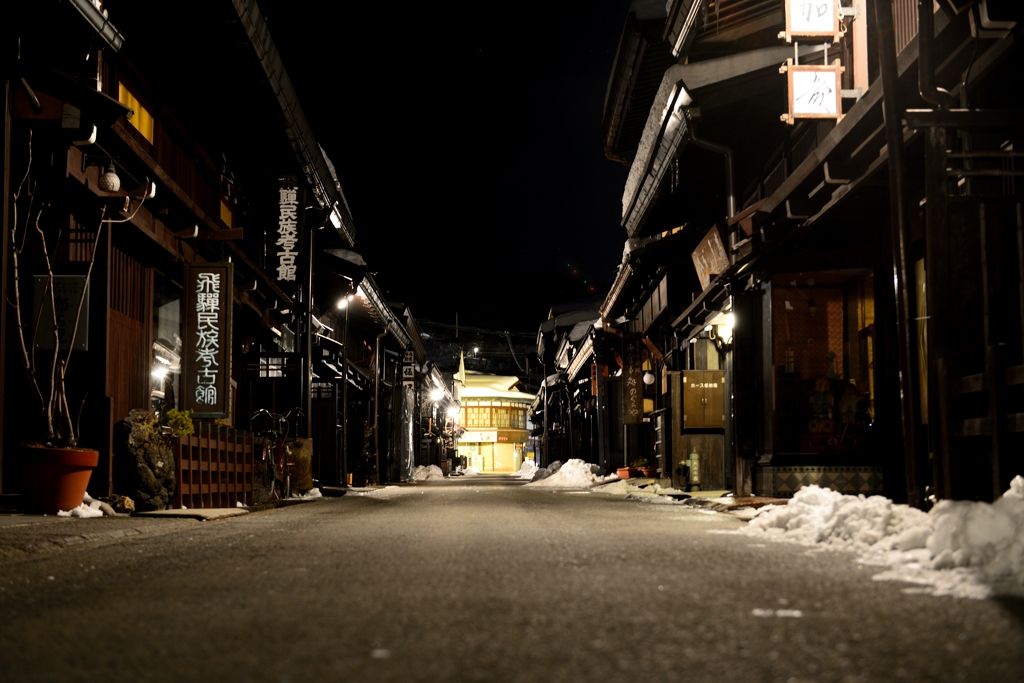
{"x": 128, "y": 382}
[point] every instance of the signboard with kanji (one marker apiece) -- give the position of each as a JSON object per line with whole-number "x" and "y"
{"x": 206, "y": 350}
{"x": 710, "y": 258}
{"x": 812, "y": 19}
{"x": 409, "y": 369}
{"x": 632, "y": 379}
{"x": 289, "y": 223}
{"x": 815, "y": 92}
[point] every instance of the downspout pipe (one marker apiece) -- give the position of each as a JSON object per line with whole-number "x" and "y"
{"x": 730, "y": 192}
{"x": 376, "y": 401}
{"x": 932, "y": 94}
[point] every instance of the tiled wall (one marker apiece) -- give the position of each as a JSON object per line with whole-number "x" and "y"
{"x": 783, "y": 482}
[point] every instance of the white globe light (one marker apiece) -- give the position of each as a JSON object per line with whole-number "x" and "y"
{"x": 109, "y": 182}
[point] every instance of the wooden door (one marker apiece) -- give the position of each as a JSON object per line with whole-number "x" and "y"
{"x": 703, "y": 399}
{"x": 714, "y": 399}
{"x": 693, "y": 399}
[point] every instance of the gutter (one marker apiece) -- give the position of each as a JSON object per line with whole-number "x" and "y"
{"x": 99, "y": 22}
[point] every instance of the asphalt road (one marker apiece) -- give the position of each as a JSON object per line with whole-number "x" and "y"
{"x": 474, "y": 582}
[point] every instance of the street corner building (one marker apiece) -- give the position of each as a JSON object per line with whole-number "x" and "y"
{"x": 821, "y": 278}
{"x": 176, "y": 238}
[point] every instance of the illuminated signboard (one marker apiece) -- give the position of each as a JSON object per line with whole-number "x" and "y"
{"x": 286, "y": 247}
{"x": 812, "y": 19}
{"x": 206, "y": 353}
{"x": 815, "y": 92}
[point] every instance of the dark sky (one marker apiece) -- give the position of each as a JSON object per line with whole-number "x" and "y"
{"x": 467, "y": 136}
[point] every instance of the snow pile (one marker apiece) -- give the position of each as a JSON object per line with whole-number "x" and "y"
{"x": 528, "y": 469}
{"x": 308, "y": 495}
{"x": 83, "y": 511}
{"x": 428, "y": 473}
{"x": 816, "y": 515}
{"x": 574, "y": 474}
{"x": 471, "y": 471}
{"x": 959, "y": 548}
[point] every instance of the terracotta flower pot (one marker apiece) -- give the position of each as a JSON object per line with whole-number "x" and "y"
{"x": 55, "y": 478}
{"x": 649, "y": 472}
{"x": 628, "y": 472}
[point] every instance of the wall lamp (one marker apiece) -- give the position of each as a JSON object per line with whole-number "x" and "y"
{"x": 109, "y": 180}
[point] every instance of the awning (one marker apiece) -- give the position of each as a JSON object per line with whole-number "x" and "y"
{"x": 668, "y": 123}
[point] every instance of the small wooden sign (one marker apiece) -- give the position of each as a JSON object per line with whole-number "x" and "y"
{"x": 206, "y": 352}
{"x": 710, "y": 257}
{"x": 815, "y": 92}
{"x": 812, "y": 19}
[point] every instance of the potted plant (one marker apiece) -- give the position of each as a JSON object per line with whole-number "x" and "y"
{"x": 649, "y": 472}
{"x": 633, "y": 471}
{"x": 145, "y": 467}
{"x": 55, "y": 470}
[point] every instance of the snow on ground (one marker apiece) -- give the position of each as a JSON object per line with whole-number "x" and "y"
{"x": 471, "y": 471}
{"x": 528, "y": 469}
{"x": 959, "y": 548}
{"x": 574, "y": 474}
{"x": 644, "y": 494}
{"x": 428, "y": 473}
{"x": 308, "y": 495}
{"x": 83, "y": 511}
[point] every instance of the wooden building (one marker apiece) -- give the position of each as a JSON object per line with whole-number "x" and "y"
{"x": 764, "y": 232}
{"x": 216, "y": 164}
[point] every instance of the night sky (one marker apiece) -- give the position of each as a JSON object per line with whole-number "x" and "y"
{"x": 467, "y": 137}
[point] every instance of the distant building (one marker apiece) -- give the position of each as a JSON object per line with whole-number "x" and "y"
{"x": 494, "y": 417}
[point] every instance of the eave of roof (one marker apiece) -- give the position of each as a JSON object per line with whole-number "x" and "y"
{"x": 667, "y": 124}
{"x": 315, "y": 166}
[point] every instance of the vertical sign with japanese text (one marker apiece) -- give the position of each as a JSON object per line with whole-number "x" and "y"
{"x": 206, "y": 352}
{"x": 632, "y": 379}
{"x": 408, "y": 369}
{"x": 287, "y": 246}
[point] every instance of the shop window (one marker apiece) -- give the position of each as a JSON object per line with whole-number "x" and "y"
{"x": 141, "y": 120}
{"x": 166, "y": 361}
{"x": 823, "y": 350}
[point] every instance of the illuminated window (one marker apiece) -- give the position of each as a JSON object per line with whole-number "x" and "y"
{"x": 227, "y": 216}
{"x": 141, "y": 119}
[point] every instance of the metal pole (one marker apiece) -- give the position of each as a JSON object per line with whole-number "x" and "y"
{"x": 343, "y": 470}
{"x": 546, "y": 453}
{"x": 900, "y": 237}
{"x": 376, "y": 403}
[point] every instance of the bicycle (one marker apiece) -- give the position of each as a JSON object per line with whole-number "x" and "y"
{"x": 275, "y": 454}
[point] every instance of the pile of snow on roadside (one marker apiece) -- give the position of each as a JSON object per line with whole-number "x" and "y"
{"x": 528, "y": 469}
{"x": 471, "y": 471}
{"x": 959, "y": 548}
{"x": 428, "y": 473}
{"x": 574, "y": 474}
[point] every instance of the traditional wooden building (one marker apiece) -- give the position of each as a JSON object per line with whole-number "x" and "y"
{"x": 798, "y": 171}
{"x": 154, "y": 158}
